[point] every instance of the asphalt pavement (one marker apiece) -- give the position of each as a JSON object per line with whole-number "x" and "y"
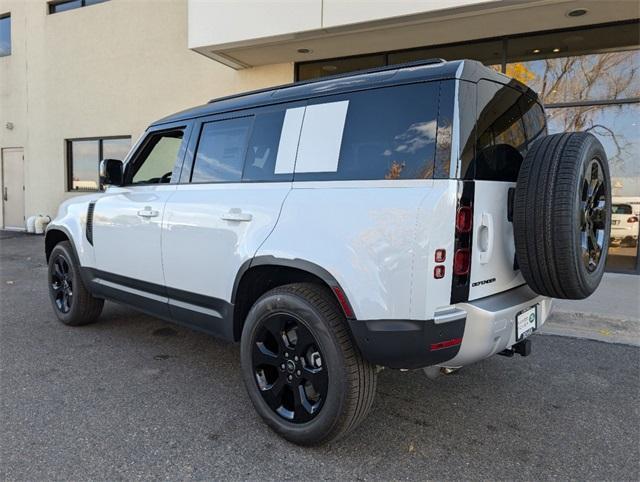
{"x": 132, "y": 397}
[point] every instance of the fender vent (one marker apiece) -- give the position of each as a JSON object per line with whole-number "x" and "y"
{"x": 90, "y": 210}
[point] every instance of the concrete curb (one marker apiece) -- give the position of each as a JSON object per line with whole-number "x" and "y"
{"x": 593, "y": 326}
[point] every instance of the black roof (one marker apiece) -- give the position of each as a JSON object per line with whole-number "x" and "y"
{"x": 426, "y": 70}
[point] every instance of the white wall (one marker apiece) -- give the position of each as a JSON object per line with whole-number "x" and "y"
{"x": 213, "y": 22}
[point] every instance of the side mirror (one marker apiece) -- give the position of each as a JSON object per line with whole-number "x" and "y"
{"x": 111, "y": 172}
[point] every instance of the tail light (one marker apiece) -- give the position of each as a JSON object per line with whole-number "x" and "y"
{"x": 633, "y": 219}
{"x": 462, "y": 262}
{"x": 464, "y": 219}
{"x": 462, "y": 249}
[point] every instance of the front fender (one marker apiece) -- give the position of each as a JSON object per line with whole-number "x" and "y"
{"x": 72, "y": 220}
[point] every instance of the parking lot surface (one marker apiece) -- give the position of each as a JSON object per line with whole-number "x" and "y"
{"x": 132, "y": 397}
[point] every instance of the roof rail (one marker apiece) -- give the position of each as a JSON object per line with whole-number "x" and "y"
{"x": 384, "y": 68}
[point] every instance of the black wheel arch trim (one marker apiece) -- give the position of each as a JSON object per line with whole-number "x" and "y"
{"x": 297, "y": 263}
{"x": 64, "y": 231}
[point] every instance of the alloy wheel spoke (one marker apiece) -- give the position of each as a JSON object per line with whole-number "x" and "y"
{"x": 57, "y": 270}
{"x": 273, "y": 394}
{"x": 263, "y": 356}
{"x": 274, "y": 326}
{"x": 304, "y": 340}
{"x": 302, "y": 406}
{"x": 317, "y": 377}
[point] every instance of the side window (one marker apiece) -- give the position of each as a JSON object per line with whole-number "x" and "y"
{"x": 387, "y": 133}
{"x": 157, "y": 159}
{"x": 535, "y": 124}
{"x": 272, "y": 146}
{"x": 221, "y": 150}
{"x": 502, "y": 142}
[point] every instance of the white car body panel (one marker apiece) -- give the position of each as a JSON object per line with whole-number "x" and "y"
{"x": 126, "y": 243}
{"x": 201, "y": 251}
{"x": 365, "y": 233}
{"x": 72, "y": 219}
{"x": 493, "y": 253}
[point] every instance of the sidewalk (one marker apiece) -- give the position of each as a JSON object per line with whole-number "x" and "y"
{"x": 611, "y": 314}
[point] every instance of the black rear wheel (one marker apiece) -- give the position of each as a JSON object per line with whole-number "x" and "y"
{"x": 304, "y": 375}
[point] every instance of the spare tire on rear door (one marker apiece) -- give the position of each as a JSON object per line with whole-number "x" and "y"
{"x": 562, "y": 215}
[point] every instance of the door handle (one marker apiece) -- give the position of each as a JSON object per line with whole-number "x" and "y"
{"x": 236, "y": 214}
{"x": 485, "y": 238}
{"x": 5, "y": 194}
{"x": 147, "y": 212}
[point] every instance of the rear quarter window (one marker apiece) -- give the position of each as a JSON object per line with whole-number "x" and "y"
{"x": 508, "y": 121}
{"x": 387, "y": 133}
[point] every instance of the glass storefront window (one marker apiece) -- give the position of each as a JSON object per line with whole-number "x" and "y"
{"x": 618, "y": 128}
{"x": 608, "y": 76}
{"x": 489, "y": 53}
{"x": 323, "y": 68}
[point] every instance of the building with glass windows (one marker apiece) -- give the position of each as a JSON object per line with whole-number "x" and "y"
{"x": 81, "y": 79}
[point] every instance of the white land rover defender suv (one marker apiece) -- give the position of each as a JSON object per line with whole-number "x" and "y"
{"x": 406, "y": 217}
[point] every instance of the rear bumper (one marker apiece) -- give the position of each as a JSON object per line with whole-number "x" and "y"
{"x": 490, "y": 326}
{"x": 407, "y": 343}
{"x": 485, "y": 326}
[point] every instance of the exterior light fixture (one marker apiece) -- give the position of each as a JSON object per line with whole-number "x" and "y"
{"x": 304, "y": 51}
{"x": 577, "y": 12}
{"x": 536, "y": 51}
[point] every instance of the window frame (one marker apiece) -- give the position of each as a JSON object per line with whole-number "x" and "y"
{"x": 69, "y": 157}
{"x": 2, "y": 17}
{"x": 52, "y": 4}
{"x": 142, "y": 144}
{"x": 198, "y": 129}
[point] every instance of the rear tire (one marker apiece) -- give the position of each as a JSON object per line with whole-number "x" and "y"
{"x": 72, "y": 303}
{"x": 562, "y": 215}
{"x": 295, "y": 332}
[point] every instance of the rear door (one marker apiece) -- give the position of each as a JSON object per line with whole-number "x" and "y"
{"x": 508, "y": 121}
{"x": 226, "y": 205}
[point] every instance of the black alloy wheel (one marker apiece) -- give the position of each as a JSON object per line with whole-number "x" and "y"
{"x": 72, "y": 303}
{"x": 62, "y": 284}
{"x": 289, "y": 368}
{"x": 593, "y": 214}
{"x": 302, "y": 371}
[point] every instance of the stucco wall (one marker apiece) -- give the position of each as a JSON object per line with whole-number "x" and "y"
{"x": 103, "y": 70}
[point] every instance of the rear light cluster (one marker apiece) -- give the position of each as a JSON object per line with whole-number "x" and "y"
{"x": 440, "y": 257}
{"x": 462, "y": 252}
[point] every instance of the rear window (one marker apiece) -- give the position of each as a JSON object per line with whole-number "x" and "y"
{"x": 387, "y": 133}
{"x": 621, "y": 209}
{"x": 508, "y": 122}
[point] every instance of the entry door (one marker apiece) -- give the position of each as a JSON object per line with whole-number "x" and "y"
{"x": 13, "y": 187}
{"x": 127, "y": 221}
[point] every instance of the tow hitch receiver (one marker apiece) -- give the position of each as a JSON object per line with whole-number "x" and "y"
{"x": 522, "y": 348}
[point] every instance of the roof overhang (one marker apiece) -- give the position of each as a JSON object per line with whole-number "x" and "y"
{"x": 247, "y": 33}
